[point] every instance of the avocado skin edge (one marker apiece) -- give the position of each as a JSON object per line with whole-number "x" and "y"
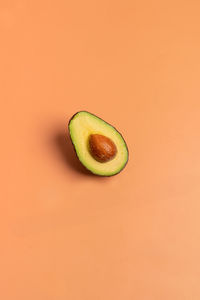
{"x": 75, "y": 148}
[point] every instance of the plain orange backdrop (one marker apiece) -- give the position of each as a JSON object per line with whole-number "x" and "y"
{"x": 65, "y": 234}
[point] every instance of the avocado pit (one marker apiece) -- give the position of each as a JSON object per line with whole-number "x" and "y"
{"x": 102, "y": 148}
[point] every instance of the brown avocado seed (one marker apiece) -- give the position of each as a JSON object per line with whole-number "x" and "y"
{"x": 102, "y": 148}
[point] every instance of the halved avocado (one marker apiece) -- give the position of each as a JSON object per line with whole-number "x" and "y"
{"x": 84, "y": 125}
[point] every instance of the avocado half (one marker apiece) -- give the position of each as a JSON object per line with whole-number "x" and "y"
{"x": 81, "y": 126}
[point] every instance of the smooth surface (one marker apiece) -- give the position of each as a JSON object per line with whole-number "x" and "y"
{"x": 69, "y": 235}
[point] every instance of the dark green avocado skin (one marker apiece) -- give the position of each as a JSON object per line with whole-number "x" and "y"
{"x": 75, "y": 149}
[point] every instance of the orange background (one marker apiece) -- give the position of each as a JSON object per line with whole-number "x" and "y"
{"x": 69, "y": 235}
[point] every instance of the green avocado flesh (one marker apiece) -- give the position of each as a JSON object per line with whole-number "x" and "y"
{"x": 81, "y": 126}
